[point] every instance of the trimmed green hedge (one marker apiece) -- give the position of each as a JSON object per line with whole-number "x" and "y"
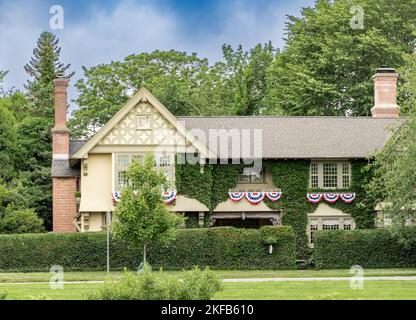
{"x": 377, "y": 248}
{"x": 218, "y": 248}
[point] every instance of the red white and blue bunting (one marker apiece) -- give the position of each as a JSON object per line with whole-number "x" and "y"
{"x": 330, "y": 197}
{"x": 255, "y": 197}
{"x": 273, "y": 196}
{"x": 167, "y": 196}
{"x": 236, "y": 196}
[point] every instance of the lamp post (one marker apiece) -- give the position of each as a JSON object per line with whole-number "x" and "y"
{"x": 108, "y": 220}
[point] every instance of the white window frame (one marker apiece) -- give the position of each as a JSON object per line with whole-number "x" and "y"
{"x": 340, "y": 174}
{"x": 328, "y": 222}
{"x": 117, "y": 170}
{"x": 250, "y": 177}
{"x": 167, "y": 165}
{"x": 149, "y": 124}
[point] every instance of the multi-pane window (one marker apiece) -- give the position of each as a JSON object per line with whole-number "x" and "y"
{"x": 314, "y": 227}
{"x": 248, "y": 175}
{"x": 122, "y": 163}
{"x": 165, "y": 162}
{"x": 345, "y": 175}
{"x": 347, "y": 227}
{"x": 330, "y": 175}
{"x": 314, "y": 175}
{"x": 143, "y": 122}
{"x": 330, "y": 227}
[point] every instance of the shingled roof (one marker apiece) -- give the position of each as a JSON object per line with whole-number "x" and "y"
{"x": 308, "y": 137}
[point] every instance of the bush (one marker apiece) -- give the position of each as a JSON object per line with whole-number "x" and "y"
{"x": 21, "y": 221}
{"x": 377, "y": 248}
{"x": 148, "y": 285}
{"x": 3, "y": 295}
{"x": 218, "y": 248}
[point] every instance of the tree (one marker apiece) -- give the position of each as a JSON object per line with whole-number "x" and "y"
{"x": 394, "y": 171}
{"x": 141, "y": 217}
{"x": 44, "y": 67}
{"x": 326, "y": 66}
{"x": 2, "y": 75}
{"x": 21, "y": 221}
{"x": 7, "y": 143}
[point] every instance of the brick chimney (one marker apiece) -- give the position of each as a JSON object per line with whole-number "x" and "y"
{"x": 385, "y": 91}
{"x": 60, "y": 132}
{"x": 64, "y": 206}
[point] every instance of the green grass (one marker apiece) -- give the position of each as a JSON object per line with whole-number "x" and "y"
{"x": 226, "y": 274}
{"x": 250, "y": 291}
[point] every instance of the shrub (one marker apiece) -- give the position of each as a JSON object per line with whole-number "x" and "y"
{"x": 377, "y": 248}
{"x": 148, "y": 285}
{"x": 21, "y": 221}
{"x": 200, "y": 285}
{"x": 3, "y": 295}
{"x": 218, "y": 248}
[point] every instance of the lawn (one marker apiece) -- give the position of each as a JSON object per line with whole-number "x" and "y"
{"x": 225, "y": 274}
{"x": 240, "y": 291}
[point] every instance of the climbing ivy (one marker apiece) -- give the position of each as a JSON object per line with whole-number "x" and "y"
{"x": 292, "y": 177}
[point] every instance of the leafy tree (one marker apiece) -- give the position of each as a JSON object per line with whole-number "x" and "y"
{"x": 2, "y": 75}
{"x": 407, "y": 89}
{"x": 141, "y": 217}
{"x": 16, "y": 102}
{"x": 44, "y": 67}
{"x": 326, "y": 66}
{"x": 21, "y": 221}
{"x": 7, "y": 143}
{"x": 394, "y": 170}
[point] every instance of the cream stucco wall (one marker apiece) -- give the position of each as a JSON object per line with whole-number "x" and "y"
{"x": 96, "y": 185}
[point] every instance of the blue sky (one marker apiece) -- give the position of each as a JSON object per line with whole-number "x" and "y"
{"x": 101, "y": 31}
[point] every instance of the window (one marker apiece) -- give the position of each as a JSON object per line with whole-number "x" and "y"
{"x": 314, "y": 227}
{"x": 330, "y": 227}
{"x": 143, "y": 122}
{"x": 165, "y": 162}
{"x": 330, "y": 175}
{"x": 345, "y": 175}
{"x": 314, "y": 175}
{"x": 122, "y": 163}
{"x": 248, "y": 175}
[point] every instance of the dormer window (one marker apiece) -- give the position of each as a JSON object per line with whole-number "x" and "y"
{"x": 143, "y": 122}
{"x": 330, "y": 175}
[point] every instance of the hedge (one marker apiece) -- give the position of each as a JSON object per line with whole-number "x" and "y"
{"x": 218, "y": 248}
{"x": 377, "y": 248}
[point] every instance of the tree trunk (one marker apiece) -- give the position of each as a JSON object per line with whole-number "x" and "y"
{"x": 144, "y": 254}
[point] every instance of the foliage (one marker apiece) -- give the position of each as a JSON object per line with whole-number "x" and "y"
{"x": 141, "y": 217}
{"x": 394, "y": 181}
{"x": 3, "y": 295}
{"x": 326, "y": 66}
{"x": 218, "y": 248}
{"x": 275, "y": 234}
{"x": 407, "y": 87}
{"x": 224, "y": 178}
{"x": 184, "y": 83}
{"x": 44, "y": 67}
{"x": 199, "y": 285}
{"x": 148, "y": 285}
{"x": 7, "y": 143}
{"x": 292, "y": 178}
{"x": 377, "y": 248}
{"x": 21, "y": 221}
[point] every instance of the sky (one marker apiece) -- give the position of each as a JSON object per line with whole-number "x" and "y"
{"x": 96, "y": 32}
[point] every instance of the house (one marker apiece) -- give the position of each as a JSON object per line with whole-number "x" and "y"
{"x": 329, "y": 146}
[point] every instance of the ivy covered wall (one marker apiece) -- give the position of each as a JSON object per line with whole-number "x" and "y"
{"x": 292, "y": 177}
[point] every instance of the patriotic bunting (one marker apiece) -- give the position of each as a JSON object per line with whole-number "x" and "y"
{"x": 236, "y": 196}
{"x": 273, "y": 196}
{"x": 167, "y": 196}
{"x": 314, "y": 197}
{"x": 255, "y": 197}
{"x": 330, "y": 197}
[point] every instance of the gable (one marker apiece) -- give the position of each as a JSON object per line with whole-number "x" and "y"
{"x": 165, "y": 129}
{"x": 127, "y": 131}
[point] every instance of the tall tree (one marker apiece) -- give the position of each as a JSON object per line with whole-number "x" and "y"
{"x": 34, "y": 141}
{"x": 7, "y": 143}
{"x": 326, "y": 66}
{"x": 141, "y": 217}
{"x": 44, "y": 67}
